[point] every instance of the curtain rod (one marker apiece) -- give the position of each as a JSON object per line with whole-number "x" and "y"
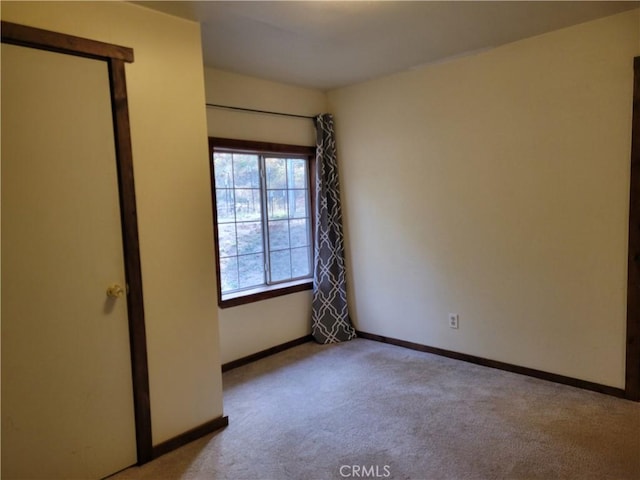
{"x": 253, "y": 110}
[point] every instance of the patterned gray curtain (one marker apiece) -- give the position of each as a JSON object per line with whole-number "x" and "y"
{"x": 330, "y": 321}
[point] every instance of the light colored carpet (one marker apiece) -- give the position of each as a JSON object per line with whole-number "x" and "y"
{"x": 325, "y": 412}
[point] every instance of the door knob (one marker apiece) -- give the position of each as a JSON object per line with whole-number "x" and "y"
{"x": 115, "y": 291}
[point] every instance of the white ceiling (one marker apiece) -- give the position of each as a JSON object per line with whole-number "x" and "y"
{"x": 329, "y": 44}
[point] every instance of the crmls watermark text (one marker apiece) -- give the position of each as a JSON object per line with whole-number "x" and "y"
{"x": 365, "y": 471}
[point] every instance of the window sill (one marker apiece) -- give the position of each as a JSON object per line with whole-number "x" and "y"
{"x": 264, "y": 293}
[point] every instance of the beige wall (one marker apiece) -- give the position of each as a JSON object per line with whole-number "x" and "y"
{"x": 496, "y": 187}
{"x": 248, "y": 329}
{"x": 168, "y": 127}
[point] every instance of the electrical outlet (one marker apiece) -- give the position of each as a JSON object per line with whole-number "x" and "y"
{"x": 453, "y": 320}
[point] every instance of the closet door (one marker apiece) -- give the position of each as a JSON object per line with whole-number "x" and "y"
{"x": 67, "y": 399}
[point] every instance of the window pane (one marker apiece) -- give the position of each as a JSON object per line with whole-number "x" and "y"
{"x": 277, "y": 204}
{"x": 249, "y": 238}
{"x": 248, "y": 204}
{"x": 227, "y": 240}
{"x": 299, "y": 232}
{"x": 245, "y": 195}
{"x": 300, "y": 264}
{"x": 245, "y": 171}
{"x": 279, "y": 235}
{"x": 228, "y": 274}
{"x": 251, "y": 270}
{"x": 276, "y": 169}
{"x": 225, "y": 205}
{"x": 222, "y": 166}
{"x": 297, "y": 203}
{"x": 280, "y": 266}
{"x": 297, "y": 170}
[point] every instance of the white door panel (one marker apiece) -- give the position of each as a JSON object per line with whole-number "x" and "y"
{"x": 67, "y": 401}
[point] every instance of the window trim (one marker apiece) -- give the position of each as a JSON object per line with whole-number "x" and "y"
{"x": 265, "y": 291}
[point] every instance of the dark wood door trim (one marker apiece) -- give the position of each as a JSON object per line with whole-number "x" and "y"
{"x": 135, "y": 305}
{"x": 632, "y": 371}
{"x": 115, "y": 56}
{"x": 62, "y": 43}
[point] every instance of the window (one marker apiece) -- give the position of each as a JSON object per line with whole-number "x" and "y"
{"x": 263, "y": 219}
